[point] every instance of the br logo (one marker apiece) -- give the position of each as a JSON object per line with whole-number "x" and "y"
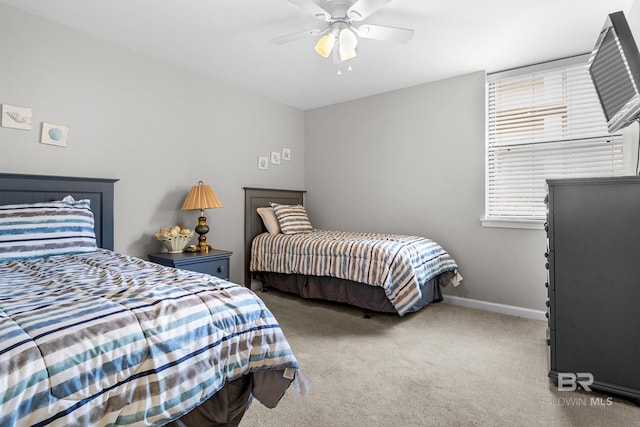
{"x": 568, "y": 381}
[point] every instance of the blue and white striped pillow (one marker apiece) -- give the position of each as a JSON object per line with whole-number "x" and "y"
{"x": 47, "y": 228}
{"x": 293, "y": 219}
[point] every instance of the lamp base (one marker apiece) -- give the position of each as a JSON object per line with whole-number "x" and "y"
{"x": 202, "y": 229}
{"x": 204, "y": 248}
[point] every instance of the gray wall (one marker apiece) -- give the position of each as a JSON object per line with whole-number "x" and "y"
{"x": 157, "y": 128}
{"x": 412, "y": 161}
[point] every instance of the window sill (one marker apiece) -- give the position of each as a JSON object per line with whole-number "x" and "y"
{"x": 527, "y": 224}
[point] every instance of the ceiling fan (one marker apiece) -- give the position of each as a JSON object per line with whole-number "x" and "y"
{"x": 341, "y": 26}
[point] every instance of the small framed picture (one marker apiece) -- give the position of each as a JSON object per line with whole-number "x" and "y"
{"x": 54, "y": 134}
{"x": 286, "y": 154}
{"x": 263, "y": 162}
{"x": 275, "y": 157}
{"x": 16, "y": 117}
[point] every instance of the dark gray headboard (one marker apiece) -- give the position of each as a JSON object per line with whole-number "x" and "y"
{"x": 256, "y": 198}
{"x": 18, "y": 188}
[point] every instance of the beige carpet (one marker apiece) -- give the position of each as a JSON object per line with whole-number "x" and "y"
{"x": 443, "y": 366}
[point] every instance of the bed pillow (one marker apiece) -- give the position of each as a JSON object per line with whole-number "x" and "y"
{"x": 293, "y": 219}
{"x": 269, "y": 220}
{"x": 47, "y": 228}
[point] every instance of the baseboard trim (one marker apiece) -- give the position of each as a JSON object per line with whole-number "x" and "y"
{"x": 495, "y": 307}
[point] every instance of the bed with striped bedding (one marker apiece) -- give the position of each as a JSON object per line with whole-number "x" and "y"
{"x": 105, "y": 339}
{"x": 399, "y": 264}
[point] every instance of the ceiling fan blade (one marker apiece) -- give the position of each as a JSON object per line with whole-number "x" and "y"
{"x": 311, "y": 8}
{"x": 382, "y": 32}
{"x": 296, "y": 36}
{"x": 361, "y": 9}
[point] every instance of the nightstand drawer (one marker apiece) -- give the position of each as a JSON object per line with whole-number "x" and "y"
{"x": 215, "y": 262}
{"x": 218, "y": 268}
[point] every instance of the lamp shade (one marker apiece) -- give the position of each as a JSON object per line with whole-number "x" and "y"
{"x": 348, "y": 43}
{"x": 201, "y": 197}
{"x": 325, "y": 45}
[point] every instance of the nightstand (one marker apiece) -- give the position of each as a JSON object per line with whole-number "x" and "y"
{"x": 214, "y": 262}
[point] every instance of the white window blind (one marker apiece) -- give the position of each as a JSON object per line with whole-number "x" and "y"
{"x": 541, "y": 125}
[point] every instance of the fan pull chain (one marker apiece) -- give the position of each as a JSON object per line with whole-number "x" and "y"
{"x": 349, "y": 68}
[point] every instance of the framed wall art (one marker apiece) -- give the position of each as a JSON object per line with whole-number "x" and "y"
{"x": 263, "y": 162}
{"x": 16, "y": 117}
{"x": 54, "y": 134}
{"x": 275, "y": 157}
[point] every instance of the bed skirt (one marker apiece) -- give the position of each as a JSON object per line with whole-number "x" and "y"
{"x": 227, "y": 407}
{"x": 372, "y": 298}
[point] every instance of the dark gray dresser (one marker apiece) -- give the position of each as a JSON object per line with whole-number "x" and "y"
{"x": 593, "y": 262}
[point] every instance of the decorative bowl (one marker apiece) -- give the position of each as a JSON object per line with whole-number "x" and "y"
{"x": 175, "y": 241}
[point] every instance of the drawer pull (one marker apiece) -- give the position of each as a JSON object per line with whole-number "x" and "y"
{"x": 220, "y": 269}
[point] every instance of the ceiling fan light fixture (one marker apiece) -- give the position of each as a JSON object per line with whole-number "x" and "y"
{"x": 325, "y": 45}
{"x": 346, "y": 55}
{"x": 348, "y": 39}
{"x": 348, "y": 42}
{"x": 343, "y": 26}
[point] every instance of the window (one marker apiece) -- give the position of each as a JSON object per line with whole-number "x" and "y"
{"x": 543, "y": 123}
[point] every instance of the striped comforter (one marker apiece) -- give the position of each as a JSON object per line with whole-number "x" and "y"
{"x": 105, "y": 339}
{"x": 400, "y": 264}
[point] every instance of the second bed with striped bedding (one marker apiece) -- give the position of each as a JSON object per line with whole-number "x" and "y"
{"x": 400, "y": 264}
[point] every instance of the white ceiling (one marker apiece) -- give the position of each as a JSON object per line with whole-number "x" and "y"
{"x": 230, "y": 40}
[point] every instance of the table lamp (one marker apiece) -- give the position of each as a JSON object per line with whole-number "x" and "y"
{"x": 201, "y": 197}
